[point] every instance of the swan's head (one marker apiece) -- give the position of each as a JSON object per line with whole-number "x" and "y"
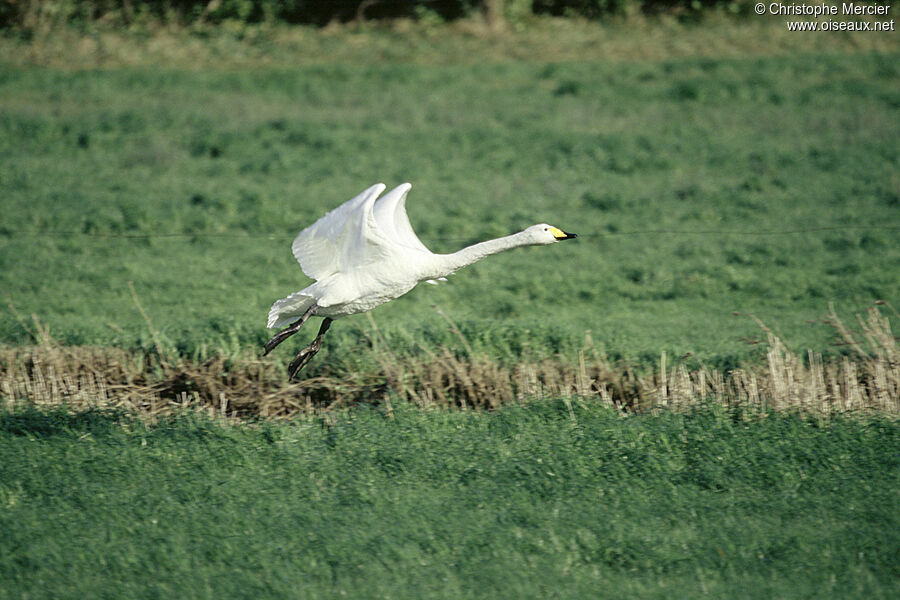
{"x": 548, "y": 234}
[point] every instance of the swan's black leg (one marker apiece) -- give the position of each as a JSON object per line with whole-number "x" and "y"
{"x": 290, "y": 329}
{"x": 307, "y": 353}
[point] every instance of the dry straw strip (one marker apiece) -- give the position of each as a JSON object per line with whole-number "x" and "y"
{"x": 866, "y": 380}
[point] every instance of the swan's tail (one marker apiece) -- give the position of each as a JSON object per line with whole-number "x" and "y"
{"x": 289, "y": 309}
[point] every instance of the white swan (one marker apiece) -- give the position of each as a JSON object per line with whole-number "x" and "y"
{"x": 365, "y": 253}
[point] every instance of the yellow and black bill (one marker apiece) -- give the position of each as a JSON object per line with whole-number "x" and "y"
{"x": 559, "y": 234}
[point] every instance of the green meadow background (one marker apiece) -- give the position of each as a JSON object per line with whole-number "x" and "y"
{"x": 698, "y": 187}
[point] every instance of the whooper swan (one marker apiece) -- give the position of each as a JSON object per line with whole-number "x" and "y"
{"x": 365, "y": 253}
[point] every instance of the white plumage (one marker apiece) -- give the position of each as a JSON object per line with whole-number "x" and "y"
{"x": 365, "y": 253}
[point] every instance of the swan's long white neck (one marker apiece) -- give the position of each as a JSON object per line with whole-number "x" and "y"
{"x": 450, "y": 263}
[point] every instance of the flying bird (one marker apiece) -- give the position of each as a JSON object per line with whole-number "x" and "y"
{"x": 365, "y": 253}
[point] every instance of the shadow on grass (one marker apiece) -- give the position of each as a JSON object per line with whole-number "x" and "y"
{"x": 67, "y": 421}
{"x": 43, "y": 422}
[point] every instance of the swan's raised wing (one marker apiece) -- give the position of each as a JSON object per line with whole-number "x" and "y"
{"x": 390, "y": 214}
{"x": 346, "y": 238}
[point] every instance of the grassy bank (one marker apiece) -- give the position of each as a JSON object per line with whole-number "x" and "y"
{"x": 524, "y": 503}
{"x": 467, "y": 42}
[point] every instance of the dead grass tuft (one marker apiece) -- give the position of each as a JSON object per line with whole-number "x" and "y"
{"x": 866, "y": 379}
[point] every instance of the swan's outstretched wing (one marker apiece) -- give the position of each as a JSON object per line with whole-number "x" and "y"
{"x": 346, "y": 238}
{"x": 390, "y": 214}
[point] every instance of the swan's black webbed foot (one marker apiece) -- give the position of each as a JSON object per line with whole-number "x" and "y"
{"x": 305, "y": 355}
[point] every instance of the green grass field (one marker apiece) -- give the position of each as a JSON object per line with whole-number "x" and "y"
{"x": 523, "y": 503}
{"x": 711, "y": 150}
{"x": 699, "y": 186}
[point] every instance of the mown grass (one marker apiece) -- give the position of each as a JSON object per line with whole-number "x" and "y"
{"x": 235, "y": 163}
{"x": 523, "y": 503}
